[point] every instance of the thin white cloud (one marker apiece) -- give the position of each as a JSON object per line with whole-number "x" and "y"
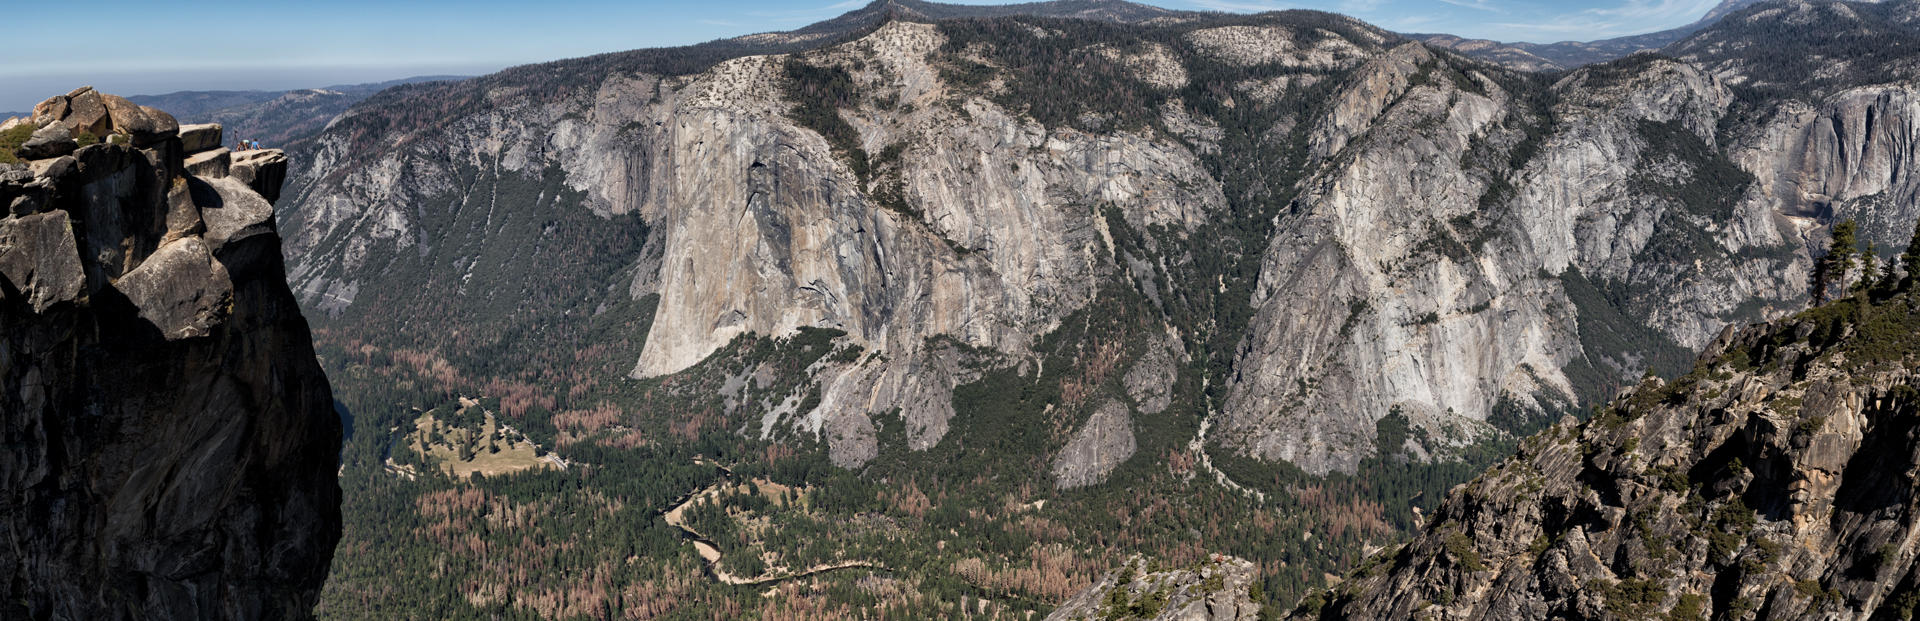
{"x": 1412, "y": 23}
{"x": 1242, "y": 6}
{"x": 1662, "y": 10}
{"x": 809, "y": 15}
{"x": 1626, "y": 18}
{"x": 1478, "y": 5}
{"x": 1562, "y": 26}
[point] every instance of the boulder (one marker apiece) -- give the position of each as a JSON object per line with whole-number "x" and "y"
{"x": 51, "y": 141}
{"x": 209, "y": 164}
{"x": 232, "y": 212}
{"x": 55, "y": 169}
{"x": 147, "y": 125}
{"x": 183, "y": 212}
{"x": 53, "y": 109}
{"x": 263, "y": 169}
{"x": 14, "y": 175}
{"x": 87, "y": 113}
{"x": 197, "y": 138}
{"x": 180, "y": 289}
{"x": 39, "y": 258}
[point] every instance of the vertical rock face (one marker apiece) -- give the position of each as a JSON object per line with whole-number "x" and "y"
{"x": 1850, "y": 155}
{"x": 170, "y": 440}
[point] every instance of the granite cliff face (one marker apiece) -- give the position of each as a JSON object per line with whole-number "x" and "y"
{"x": 1335, "y": 225}
{"x": 171, "y": 443}
{"x": 1774, "y": 481}
{"x": 758, "y": 226}
{"x": 1465, "y": 287}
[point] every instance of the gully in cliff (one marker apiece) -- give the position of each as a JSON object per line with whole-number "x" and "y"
{"x": 170, "y": 438}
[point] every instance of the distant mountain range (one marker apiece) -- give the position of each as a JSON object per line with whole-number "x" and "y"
{"x": 202, "y": 103}
{"x": 272, "y": 117}
{"x": 1573, "y": 54}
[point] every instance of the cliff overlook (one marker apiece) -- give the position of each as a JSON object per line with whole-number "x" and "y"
{"x": 171, "y": 442}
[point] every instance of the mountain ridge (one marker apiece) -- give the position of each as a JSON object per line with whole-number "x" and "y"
{"x": 196, "y": 104}
{"x": 1565, "y": 55}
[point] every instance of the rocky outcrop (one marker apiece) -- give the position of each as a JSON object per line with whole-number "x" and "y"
{"x": 1216, "y": 589}
{"x": 1149, "y": 383}
{"x": 49, "y": 142}
{"x": 171, "y": 443}
{"x": 200, "y": 138}
{"x": 1293, "y": 48}
{"x": 1101, "y": 444}
{"x": 1775, "y": 481}
{"x": 263, "y": 170}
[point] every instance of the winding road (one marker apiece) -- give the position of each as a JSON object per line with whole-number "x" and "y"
{"x": 710, "y": 553}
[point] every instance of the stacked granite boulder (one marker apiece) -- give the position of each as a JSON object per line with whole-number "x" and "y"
{"x": 168, "y": 444}
{"x": 85, "y": 116}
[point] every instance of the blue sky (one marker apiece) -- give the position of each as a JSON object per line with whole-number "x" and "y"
{"x": 145, "y": 47}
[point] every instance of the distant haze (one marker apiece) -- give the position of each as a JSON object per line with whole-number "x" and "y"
{"x": 19, "y": 94}
{"x": 137, "y": 48}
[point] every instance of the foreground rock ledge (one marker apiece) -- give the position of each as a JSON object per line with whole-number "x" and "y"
{"x": 170, "y": 440}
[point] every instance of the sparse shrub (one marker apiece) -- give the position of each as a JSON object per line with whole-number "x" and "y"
{"x": 1692, "y": 607}
{"x": 11, "y": 140}
{"x": 1633, "y": 598}
{"x": 1460, "y": 548}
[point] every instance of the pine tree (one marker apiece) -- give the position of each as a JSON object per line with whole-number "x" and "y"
{"x": 1869, "y": 268}
{"x": 1833, "y": 269}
